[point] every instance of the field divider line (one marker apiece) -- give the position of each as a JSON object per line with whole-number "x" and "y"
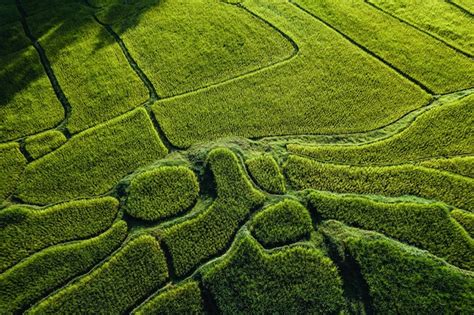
{"x": 153, "y": 95}
{"x": 461, "y": 8}
{"x": 48, "y": 69}
{"x": 366, "y": 50}
{"x": 435, "y": 37}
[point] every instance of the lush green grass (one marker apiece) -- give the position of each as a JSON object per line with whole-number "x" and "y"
{"x": 283, "y": 223}
{"x": 403, "y": 279}
{"x": 194, "y": 241}
{"x": 92, "y": 162}
{"x": 465, "y": 4}
{"x": 43, "y": 143}
{"x": 127, "y": 277}
{"x": 466, "y": 219}
{"x": 436, "y": 17}
{"x": 180, "y": 299}
{"x": 198, "y": 43}
{"x": 459, "y": 165}
{"x": 291, "y": 281}
{"x": 89, "y": 65}
{"x": 266, "y": 172}
{"x": 330, "y": 86}
{"x": 27, "y": 230}
{"x": 399, "y": 180}
{"x": 409, "y": 50}
{"x": 27, "y": 100}
{"x": 447, "y": 130}
{"x": 162, "y": 193}
{"x": 25, "y": 283}
{"x": 12, "y": 163}
{"x": 427, "y": 226}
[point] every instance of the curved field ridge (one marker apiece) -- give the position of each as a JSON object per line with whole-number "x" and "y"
{"x": 92, "y": 162}
{"x": 427, "y": 226}
{"x": 131, "y": 274}
{"x": 398, "y": 180}
{"x": 194, "y": 241}
{"x": 387, "y": 266}
{"x": 444, "y": 131}
{"x": 27, "y": 230}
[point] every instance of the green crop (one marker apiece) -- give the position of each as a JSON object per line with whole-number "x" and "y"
{"x": 12, "y": 163}
{"x": 427, "y": 226}
{"x": 329, "y": 86}
{"x": 198, "y": 43}
{"x": 162, "y": 192}
{"x": 466, "y": 219}
{"x": 291, "y": 281}
{"x": 27, "y": 101}
{"x": 403, "y": 279}
{"x": 39, "y": 274}
{"x": 196, "y": 240}
{"x": 180, "y": 299}
{"x": 444, "y": 131}
{"x": 437, "y": 17}
{"x": 91, "y": 162}
{"x": 283, "y": 223}
{"x": 93, "y": 72}
{"x": 27, "y": 230}
{"x": 43, "y": 143}
{"x": 415, "y": 53}
{"x": 266, "y": 172}
{"x": 130, "y": 275}
{"x": 465, "y": 4}
{"x": 399, "y": 180}
{"x": 463, "y": 165}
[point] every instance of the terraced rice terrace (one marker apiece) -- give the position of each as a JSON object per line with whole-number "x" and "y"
{"x": 237, "y": 157}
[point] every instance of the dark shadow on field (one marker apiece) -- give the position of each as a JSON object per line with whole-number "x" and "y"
{"x": 56, "y": 24}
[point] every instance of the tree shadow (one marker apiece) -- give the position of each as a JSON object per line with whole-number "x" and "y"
{"x": 57, "y": 25}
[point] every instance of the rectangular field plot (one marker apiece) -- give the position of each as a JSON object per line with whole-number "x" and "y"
{"x": 27, "y": 101}
{"x": 330, "y": 86}
{"x": 437, "y": 17}
{"x": 437, "y": 66}
{"x": 90, "y": 66}
{"x": 185, "y": 45}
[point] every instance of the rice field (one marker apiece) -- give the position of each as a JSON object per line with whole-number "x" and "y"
{"x": 236, "y": 157}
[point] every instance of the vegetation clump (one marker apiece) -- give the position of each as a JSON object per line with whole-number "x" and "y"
{"x": 161, "y": 193}
{"x": 283, "y": 223}
{"x": 266, "y": 172}
{"x": 43, "y": 143}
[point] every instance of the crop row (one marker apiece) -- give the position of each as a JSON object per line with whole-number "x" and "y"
{"x": 43, "y": 143}
{"x": 31, "y": 279}
{"x": 398, "y": 180}
{"x": 92, "y": 162}
{"x": 27, "y": 230}
{"x": 426, "y": 226}
{"x": 447, "y": 130}
{"x": 129, "y": 276}
{"x": 12, "y": 163}
{"x": 413, "y": 52}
